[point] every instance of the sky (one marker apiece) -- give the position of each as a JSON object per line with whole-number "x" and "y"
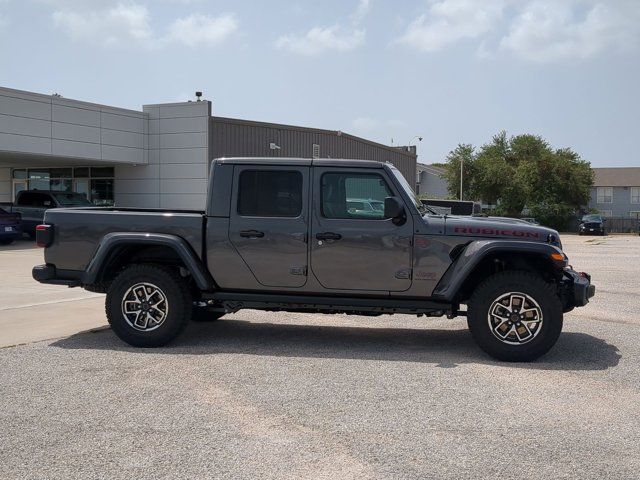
{"x": 449, "y": 71}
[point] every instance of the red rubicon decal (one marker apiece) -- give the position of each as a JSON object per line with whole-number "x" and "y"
{"x": 496, "y": 232}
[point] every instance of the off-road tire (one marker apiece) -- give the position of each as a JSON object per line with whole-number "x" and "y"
{"x": 171, "y": 285}
{"x": 529, "y": 284}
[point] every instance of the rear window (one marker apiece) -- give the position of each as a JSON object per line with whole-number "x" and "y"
{"x": 72, "y": 200}
{"x": 270, "y": 193}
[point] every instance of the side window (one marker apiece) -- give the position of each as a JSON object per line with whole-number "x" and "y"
{"x": 354, "y": 195}
{"x": 25, "y": 200}
{"x": 270, "y": 193}
{"x": 40, "y": 200}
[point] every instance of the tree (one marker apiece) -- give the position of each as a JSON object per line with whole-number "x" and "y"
{"x": 464, "y": 153}
{"x": 523, "y": 171}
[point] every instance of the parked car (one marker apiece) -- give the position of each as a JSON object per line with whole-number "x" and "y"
{"x": 592, "y": 225}
{"x": 31, "y": 205}
{"x": 365, "y": 206}
{"x": 277, "y": 236}
{"x": 10, "y": 227}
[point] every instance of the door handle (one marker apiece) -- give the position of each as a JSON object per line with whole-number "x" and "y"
{"x": 251, "y": 234}
{"x": 328, "y": 236}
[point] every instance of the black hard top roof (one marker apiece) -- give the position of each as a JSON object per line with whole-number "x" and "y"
{"x": 321, "y": 162}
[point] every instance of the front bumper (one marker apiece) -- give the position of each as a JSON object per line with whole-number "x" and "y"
{"x": 577, "y": 289}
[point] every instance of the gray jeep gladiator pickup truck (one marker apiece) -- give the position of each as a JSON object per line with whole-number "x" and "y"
{"x": 278, "y": 234}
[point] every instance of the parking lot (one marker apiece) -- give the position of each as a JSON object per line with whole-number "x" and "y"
{"x": 283, "y": 395}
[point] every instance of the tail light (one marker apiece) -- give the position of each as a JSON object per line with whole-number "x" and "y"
{"x": 44, "y": 235}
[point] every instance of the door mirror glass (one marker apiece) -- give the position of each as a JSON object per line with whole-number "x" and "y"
{"x": 393, "y": 207}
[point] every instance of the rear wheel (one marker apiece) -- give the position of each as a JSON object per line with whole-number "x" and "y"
{"x": 515, "y": 316}
{"x": 148, "y": 305}
{"x": 6, "y": 241}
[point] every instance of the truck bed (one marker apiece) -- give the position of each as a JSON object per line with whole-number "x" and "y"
{"x": 80, "y": 230}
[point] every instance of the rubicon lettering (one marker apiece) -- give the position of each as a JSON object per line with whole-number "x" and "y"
{"x": 496, "y": 232}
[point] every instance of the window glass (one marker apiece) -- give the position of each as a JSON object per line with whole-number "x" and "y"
{"x": 72, "y": 199}
{"x": 38, "y": 200}
{"x": 635, "y": 194}
{"x": 270, "y": 193}
{"x": 60, "y": 184}
{"x": 81, "y": 172}
{"x": 354, "y": 195}
{"x": 60, "y": 172}
{"x": 102, "y": 172}
{"x": 102, "y": 192}
{"x": 22, "y": 174}
{"x": 605, "y": 194}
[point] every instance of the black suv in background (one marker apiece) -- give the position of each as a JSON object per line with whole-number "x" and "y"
{"x": 591, "y": 225}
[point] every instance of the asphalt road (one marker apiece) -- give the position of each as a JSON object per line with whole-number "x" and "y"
{"x": 264, "y": 395}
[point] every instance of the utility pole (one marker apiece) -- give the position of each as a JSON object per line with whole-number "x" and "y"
{"x": 461, "y": 164}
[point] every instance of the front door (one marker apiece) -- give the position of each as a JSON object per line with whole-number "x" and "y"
{"x": 269, "y": 219}
{"x": 353, "y": 247}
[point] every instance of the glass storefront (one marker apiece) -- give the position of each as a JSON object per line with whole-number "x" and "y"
{"x": 96, "y": 183}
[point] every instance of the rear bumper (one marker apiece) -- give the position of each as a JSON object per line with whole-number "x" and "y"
{"x": 577, "y": 289}
{"x": 14, "y": 233}
{"x": 50, "y": 275}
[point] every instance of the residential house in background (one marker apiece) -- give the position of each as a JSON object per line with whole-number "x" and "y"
{"x": 616, "y": 192}
{"x": 430, "y": 181}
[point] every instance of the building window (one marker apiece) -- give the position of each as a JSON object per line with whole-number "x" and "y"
{"x": 606, "y": 213}
{"x": 316, "y": 151}
{"x": 635, "y": 194}
{"x": 96, "y": 183}
{"x": 605, "y": 195}
{"x": 353, "y": 195}
{"x": 270, "y": 193}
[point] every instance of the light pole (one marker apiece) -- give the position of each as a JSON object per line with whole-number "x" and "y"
{"x": 419, "y": 137}
{"x": 461, "y": 164}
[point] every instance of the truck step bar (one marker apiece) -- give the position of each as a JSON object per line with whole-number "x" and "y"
{"x": 232, "y": 302}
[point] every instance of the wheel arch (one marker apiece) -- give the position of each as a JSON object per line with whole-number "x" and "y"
{"x": 123, "y": 248}
{"x": 483, "y": 258}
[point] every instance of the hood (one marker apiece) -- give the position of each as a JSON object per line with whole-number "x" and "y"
{"x": 498, "y": 227}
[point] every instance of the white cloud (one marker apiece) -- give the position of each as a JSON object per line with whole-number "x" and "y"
{"x": 318, "y": 40}
{"x": 361, "y": 11}
{"x": 548, "y": 31}
{"x": 120, "y": 24}
{"x": 126, "y": 24}
{"x": 202, "y": 29}
{"x": 332, "y": 38}
{"x": 448, "y": 21}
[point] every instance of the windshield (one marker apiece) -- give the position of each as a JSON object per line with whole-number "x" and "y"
{"x": 72, "y": 200}
{"x": 592, "y": 218}
{"x": 422, "y": 208}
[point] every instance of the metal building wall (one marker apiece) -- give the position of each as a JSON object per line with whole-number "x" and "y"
{"x": 230, "y": 137}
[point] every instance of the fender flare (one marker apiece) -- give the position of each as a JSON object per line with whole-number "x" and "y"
{"x": 114, "y": 240}
{"x": 478, "y": 250}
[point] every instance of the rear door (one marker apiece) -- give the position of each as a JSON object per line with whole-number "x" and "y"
{"x": 268, "y": 222}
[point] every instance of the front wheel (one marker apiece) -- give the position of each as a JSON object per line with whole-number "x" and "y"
{"x": 148, "y": 305}
{"x": 515, "y": 316}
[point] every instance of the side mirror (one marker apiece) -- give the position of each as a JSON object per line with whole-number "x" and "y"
{"x": 393, "y": 207}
